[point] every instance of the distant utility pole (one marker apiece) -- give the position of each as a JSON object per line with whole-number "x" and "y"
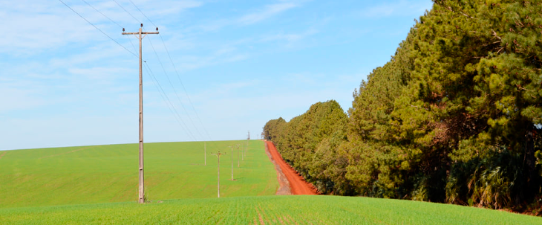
{"x": 244, "y": 152}
{"x": 205, "y": 149}
{"x": 248, "y": 140}
{"x": 218, "y": 156}
{"x": 141, "y": 182}
{"x": 231, "y": 157}
{"x": 237, "y": 146}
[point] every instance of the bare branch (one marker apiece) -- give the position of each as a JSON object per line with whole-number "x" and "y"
{"x": 495, "y": 35}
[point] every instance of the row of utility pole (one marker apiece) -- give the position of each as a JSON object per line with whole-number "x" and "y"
{"x": 218, "y": 154}
{"x": 140, "y": 35}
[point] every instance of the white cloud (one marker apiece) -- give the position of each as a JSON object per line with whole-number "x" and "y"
{"x": 49, "y": 24}
{"x": 226, "y": 54}
{"x": 103, "y": 75}
{"x": 17, "y": 99}
{"x": 88, "y": 85}
{"x": 291, "y": 37}
{"x": 100, "y": 52}
{"x": 400, "y": 8}
{"x": 269, "y": 11}
{"x": 250, "y": 18}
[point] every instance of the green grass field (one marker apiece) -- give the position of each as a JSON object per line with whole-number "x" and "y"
{"x": 98, "y": 185}
{"x": 265, "y": 210}
{"x": 109, "y": 173}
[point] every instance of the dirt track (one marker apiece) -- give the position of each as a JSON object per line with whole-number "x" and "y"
{"x": 298, "y": 185}
{"x": 284, "y": 184}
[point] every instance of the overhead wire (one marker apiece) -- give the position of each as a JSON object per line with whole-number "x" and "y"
{"x": 161, "y": 65}
{"x": 175, "y": 91}
{"x": 181, "y": 122}
{"x": 176, "y": 71}
{"x": 133, "y": 46}
{"x": 160, "y": 91}
{"x": 167, "y": 100}
{"x": 164, "y": 72}
{"x": 98, "y": 28}
{"x": 102, "y": 13}
{"x": 142, "y": 13}
{"x": 127, "y": 11}
{"x": 182, "y": 85}
{"x": 147, "y": 66}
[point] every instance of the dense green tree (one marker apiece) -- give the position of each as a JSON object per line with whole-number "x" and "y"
{"x": 309, "y": 142}
{"x": 455, "y": 115}
{"x": 273, "y": 128}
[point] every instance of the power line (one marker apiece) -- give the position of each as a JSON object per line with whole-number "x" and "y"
{"x": 182, "y": 85}
{"x": 176, "y": 72}
{"x": 152, "y": 75}
{"x": 126, "y": 11}
{"x": 170, "y": 105}
{"x": 168, "y": 102}
{"x": 174, "y": 89}
{"x": 142, "y": 13}
{"x": 156, "y": 80}
{"x": 133, "y": 46}
{"x": 102, "y": 13}
{"x": 98, "y": 28}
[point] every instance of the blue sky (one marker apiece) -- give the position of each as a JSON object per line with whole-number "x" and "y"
{"x": 64, "y": 83}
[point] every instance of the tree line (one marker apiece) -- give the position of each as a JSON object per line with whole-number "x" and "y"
{"x": 455, "y": 116}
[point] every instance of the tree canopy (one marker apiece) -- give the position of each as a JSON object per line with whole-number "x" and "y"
{"x": 455, "y": 116}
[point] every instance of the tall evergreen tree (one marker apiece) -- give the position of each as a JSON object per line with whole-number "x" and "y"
{"x": 455, "y": 116}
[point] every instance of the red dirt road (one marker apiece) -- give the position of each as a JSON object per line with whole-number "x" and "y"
{"x": 298, "y": 185}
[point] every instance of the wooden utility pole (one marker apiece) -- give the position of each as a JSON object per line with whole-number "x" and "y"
{"x": 231, "y": 157}
{"x": 141, "y": 182}
{"x": 248, "y": 140}
{"x": 237, "y": 146}
{"x": 218, "y": 156}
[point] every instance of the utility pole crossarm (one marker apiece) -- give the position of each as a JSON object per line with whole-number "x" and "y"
{"x": 137, "y": 33}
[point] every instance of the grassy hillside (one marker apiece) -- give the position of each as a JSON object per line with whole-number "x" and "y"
{"x": 98, "y": 185}
{"x": 265, "y": 209}
{"x": 108, "y": 173}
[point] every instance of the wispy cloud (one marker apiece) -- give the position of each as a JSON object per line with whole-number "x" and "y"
{"x": 269, "y": 11}
{"x": 102, "y": 74}
{"x": 51, "y": 25}
{"x": 259, "y": 61}
{"x": 290, "y": 37}
{"x": 398, "y": 8}
{"x": 19, "y": 99}
{"x": 250, "y": 18}
{"x": 226, "y": 54}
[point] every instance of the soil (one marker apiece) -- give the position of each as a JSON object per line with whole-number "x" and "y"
{"x": 284, "y": 184}
{"x": 298, "y": 185}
